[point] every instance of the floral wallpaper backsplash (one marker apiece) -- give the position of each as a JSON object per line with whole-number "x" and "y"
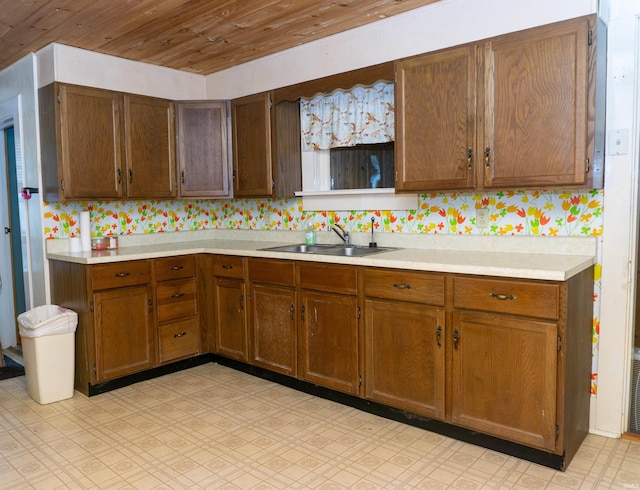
{"x": 526, "y": 213}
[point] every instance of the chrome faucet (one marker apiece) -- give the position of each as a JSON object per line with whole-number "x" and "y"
{"x": 342, "y": 233}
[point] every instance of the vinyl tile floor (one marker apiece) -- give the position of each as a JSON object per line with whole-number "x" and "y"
{"x": 211, "y": 427}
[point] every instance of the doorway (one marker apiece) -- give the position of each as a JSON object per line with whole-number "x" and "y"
{"x": 12, "y": 274}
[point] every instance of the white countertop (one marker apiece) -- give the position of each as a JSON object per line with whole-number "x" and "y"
{"x": 544, "y": 258}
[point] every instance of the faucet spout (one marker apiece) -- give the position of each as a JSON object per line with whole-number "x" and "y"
{"x": 342, "y": 233}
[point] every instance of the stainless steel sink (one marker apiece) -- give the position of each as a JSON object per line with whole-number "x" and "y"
{"x": 329, "y": 249}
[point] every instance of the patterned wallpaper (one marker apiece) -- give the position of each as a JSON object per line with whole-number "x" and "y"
{"x": 532, "y": 213}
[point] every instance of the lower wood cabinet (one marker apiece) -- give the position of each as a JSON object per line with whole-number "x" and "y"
{"x": 123, "y": 322}
{"x": 328, "y": 335}
{"x": 230, "y": 297}
{"x": 273, "y": 315}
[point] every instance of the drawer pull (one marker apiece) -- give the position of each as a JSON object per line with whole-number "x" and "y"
{"x": 177, "y": 295}
{"x": 439, "y": 335}
{"x": 401, "y": 286}
{"x": 178, "y": 335}
{"x": 456, "y": 338}
{"x": 122, "y": 274}
{"x": 177, "y": 267}
{"x": 292, "y": 312}
{"x": 502, "y": 296}
{"x": 227, "y": 267}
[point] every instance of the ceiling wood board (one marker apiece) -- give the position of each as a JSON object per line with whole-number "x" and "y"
{"x": 199, "y": 36}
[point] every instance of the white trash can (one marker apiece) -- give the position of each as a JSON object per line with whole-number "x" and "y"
{"x": 48, "y": 349}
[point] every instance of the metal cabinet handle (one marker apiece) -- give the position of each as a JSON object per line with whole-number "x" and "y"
{"x": 182, "y": 176}
{"x": 130, "y": 176}
{"x": 227, "y": 267}
{"x": 456, "y": 338}
{"x": 177, "y": 267}
{"x": 302, "y": 312}
{"x": 122, "y": 274}
{"x": 439, "y": 335}
{"x": 487, "y": 153}
{"x": 178, "y": 335}
{"x": 469, "y": 158}
{"x": 401, "y": 286}
{"x": 177, "y": 295}
{"x": 242, "y": 301}
{"x": 502, "y": 296}
{"x": 292, "y": 311}
{"x": 119, "y": 176}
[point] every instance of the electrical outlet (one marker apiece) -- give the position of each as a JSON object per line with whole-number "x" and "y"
{"x": 482, "y": 217}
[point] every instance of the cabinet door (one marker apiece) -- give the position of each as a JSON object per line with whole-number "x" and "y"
{"x": 202, "y": 148}
{"x": 505, "y": 376}
{"x": 405, "y": 356}
{"x": 90, "y": 153}
{"x": 274, "y": 328}
{"x": 329, "y": 340}
{"x": 252, "y": 158}
{"x": 150, "y": 147}
{"x": 231, "y": 322}
{"x": 435, "y": 121}
{"x": 536, "y": 99}
{"x": 123, "y": 331}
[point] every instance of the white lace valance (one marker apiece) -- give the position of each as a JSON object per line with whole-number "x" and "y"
{"x": 363, "y": 115}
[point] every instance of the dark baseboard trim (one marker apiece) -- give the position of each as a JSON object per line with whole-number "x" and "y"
{"x": 550, "y": 460}
{"x": 544, "y": 458}
{"x": 156, "y": 372}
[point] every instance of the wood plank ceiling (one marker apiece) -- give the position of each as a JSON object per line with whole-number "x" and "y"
{"x": 199, "y": 36}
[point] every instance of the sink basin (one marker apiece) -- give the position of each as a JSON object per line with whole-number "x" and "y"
{"x": 329, "y": 249}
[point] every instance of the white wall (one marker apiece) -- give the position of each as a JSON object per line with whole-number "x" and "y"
{"x": 61, "y": 63}
{"x": 18, "y": 92}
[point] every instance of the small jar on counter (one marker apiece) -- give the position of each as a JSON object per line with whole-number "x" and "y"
{"x": 112, "y": 242}
{"x": 99, "y": 243}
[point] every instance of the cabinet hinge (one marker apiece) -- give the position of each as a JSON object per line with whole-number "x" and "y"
{"x": 559, "y": 343}
{"x": 590, "y": 37}
{"x": 557, "y": 431}
{"x": 58, "y": 98}
{"x": 91, "y": 306}
{"x": 273, "y": 183}
{"x": 358, "y": 313}
{"x": 588, "y": 162}
{"x": 359, "y": 379}
{"x": 94, "y": 369}
{"x": 62, "y": 184}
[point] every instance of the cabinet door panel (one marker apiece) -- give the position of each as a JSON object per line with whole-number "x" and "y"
{"x": 329, "y": 340}
{"x": 231, "y": 323}
{"x": 203, "y": 153}
{"x": 274, "y": 328}
{"x": 90, "y": 140}
{"x": 405, "y": 356}
{"x": 123, "y": 331}
{"x": 536, "y": 106}
{"x": 252, "y": 159}
{"x": 435, "y": 120}
{"x": 504, "y": 377}
{"x": 150, "y": 147}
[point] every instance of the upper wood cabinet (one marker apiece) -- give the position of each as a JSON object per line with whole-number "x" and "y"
{"x": 149, "y": 138}
{"x": 516, "y": 111}
{"x": 266, "y": 147}
{"x": 100, "y": 144}
{"x": 202, "y": 142}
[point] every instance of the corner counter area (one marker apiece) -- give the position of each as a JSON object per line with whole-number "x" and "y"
{"x": 442, "y": 333}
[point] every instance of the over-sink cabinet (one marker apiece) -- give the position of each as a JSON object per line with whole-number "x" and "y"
{"x": 514, "y": 111}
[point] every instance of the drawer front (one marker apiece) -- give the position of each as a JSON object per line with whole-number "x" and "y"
{"x": 176, "y": 299}
{"x": 279, "y": 272}
{"x": 328, "y": 277}
{"x": 120, "y": 274}
{"x": 175, "y": 267}
{"x": 404, "y": 286}
{"x": 228, "y": 266}
{"x": 179, "y": 339}
{"x": 532, "y": 299}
